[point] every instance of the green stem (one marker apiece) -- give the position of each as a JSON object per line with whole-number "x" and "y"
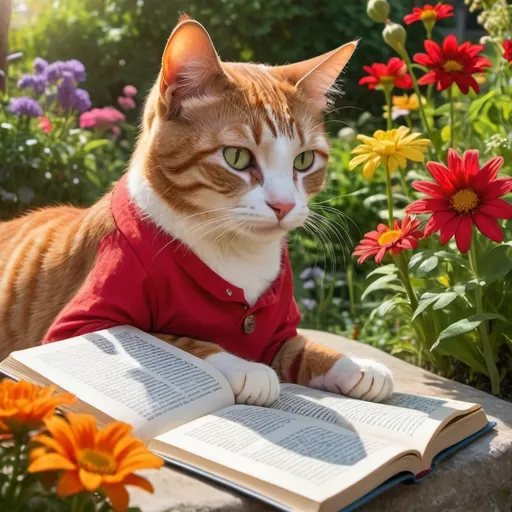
{"x": 351, "y": 295}
{"x": 452, "y": 117}
{"x": 429, "y": 31}
{"x": 422, "y": 110}
{"x": 403, "y": 182}
{"x": 482, "y": 329}
{"x": 389, "y": 193}
{"x": 11, "y": 489}
{"x": 389, "y": 120}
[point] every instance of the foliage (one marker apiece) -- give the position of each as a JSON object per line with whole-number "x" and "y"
{"x": 447, "y": 308}
{"x": 51, "y": 159}
{"x": 121, "y": 41}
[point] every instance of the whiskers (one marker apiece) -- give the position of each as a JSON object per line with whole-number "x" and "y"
{"x": 332, "y": 236}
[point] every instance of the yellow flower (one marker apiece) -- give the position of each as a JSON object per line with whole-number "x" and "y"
{"x": 24, "y": 406}
{"x": 403, "y": 105}
{"x": 406, "y": 102}
{"x": 92, "y": 459}
{"x": 391, "y": 148}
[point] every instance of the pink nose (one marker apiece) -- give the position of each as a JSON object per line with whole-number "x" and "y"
{"x": 281, "y": 209}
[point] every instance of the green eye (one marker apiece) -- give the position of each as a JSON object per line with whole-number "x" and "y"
{"x": 304, "y": 161}
{"x": 238, "y": 158}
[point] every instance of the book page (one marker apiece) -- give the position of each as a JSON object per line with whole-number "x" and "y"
{"x": 133, "y": 377}
{"x": 407, "y": 419}
{"x": 305, "y": 456}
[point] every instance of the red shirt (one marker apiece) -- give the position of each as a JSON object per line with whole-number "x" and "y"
{"x": 143, "y": 277}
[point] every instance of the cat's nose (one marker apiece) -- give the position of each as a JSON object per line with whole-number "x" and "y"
{"x": 281, "y": 209}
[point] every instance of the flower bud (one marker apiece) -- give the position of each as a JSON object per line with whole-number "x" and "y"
{"x": 378, "y": 10}
{"x": 395, "y": 35}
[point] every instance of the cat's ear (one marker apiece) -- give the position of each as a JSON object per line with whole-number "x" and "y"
{"x": 316, "y": 76}
{"x": 190, "y": 63}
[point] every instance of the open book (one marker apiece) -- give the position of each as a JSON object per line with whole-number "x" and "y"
{"x": 311, "y": 451}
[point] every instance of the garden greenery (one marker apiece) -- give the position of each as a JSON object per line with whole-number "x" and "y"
{"x": 433, "y": 280}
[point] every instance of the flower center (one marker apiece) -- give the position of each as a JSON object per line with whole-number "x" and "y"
{"x": 97, "y": 462}
{"x": 385, "y": 148}
{"x": 428, "y": 15}
{"x": 452, "y": 65}
{"x": 464, "y": 201}
{"x": 389, "y": 237}
{"x": 387, "y": 79}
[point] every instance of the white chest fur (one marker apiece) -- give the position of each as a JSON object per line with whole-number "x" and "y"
{"x": 251, "y": 267}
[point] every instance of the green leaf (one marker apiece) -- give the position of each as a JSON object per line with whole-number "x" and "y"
{"x": 383, "y": 269}
{"x": 95, "y": 144}
{"x": 379, "y": 284}
{"x": 389, "y": 305}
{"x": 454, "y": 258}
{"x": 468, "y": 353}
{"x": 444, "y": 300}
{"x": 427, "y": 266}
{"x": 375, "y": 198}
{"x": 495, "y": 264}
{"x": 425, "y": 300}
{"x": 93, "y": 178}
{"x": 466, "y": 325}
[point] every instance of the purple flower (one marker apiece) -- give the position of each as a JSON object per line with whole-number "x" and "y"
{"x": 40, "y": 65}
{"x": 26, "y": 82}
{"x": 82, "y": 101}
{"x": 25, "y": 106}
{"x": 311, "y": 273}
{"x": 54, "y": 71}
{"x": 76, "y": 68}
{"x": 309, "y": 284}
{"x": 36, "y": 82}
{"x": 309, "y": 304}
{"x": 66, "y": 91}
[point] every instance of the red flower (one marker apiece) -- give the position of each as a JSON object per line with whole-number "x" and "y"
{"x": 45, "y": 124}
{"x": 429, "y": 13}
{"x": 378, "y": 243}
{"x": 394, "y": 73}
{"x": 507, "y": 50}
{"x": 451, "y": 64}
{"x": 464, "y": 195}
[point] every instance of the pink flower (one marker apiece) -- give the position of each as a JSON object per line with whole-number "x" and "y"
{"x": 129, "y": 91}
{"x": 126, "y": 103}
{"x": 45, "y": 124}
{"x": 103, "y": 118}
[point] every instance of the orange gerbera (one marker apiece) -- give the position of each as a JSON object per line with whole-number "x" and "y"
{"x": 93, "y": 460}
{"x": 24, "y": 406}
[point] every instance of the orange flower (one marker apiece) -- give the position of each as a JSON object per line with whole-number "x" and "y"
{"x": 93, "y": 459}
{"x": 24, "y": 406}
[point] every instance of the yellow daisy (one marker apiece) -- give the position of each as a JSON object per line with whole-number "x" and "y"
{"x": 391, "y": 148}
{"x": 403, "y": 105}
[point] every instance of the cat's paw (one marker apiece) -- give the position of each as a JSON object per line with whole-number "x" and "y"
{"x": 357, "y": 378}
{"x": 252, "y": 383}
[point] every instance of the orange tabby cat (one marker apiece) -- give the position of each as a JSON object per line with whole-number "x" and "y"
{"x": 190, "y": 243}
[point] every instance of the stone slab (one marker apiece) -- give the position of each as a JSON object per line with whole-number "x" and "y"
{"x": 476, "y": 479}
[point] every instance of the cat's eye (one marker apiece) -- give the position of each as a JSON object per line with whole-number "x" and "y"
{"x": 304, "y": 161}
{"x": 238, "y": 158}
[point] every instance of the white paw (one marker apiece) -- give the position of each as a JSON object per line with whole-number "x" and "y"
{"x": 252, "y": 383}
{"x": 357, "y": 378}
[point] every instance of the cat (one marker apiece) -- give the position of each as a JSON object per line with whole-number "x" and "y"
{"x": 191, "y": 243}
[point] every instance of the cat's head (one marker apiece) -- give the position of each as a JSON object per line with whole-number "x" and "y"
{"x": 239, "y": 147}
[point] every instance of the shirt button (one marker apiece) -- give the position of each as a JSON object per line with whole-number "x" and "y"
{"x": 249, "y": 324}
{"x": 229, "y": 292}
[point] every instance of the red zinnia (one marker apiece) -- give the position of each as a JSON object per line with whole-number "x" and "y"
{"x": 452, "y": 63}
{"x": 507, "y": 50}
{"x": 429, "y": 13}
{"x": 394, "y": 73}
{"x": 378, "y": 243}
{"x": 464, "y": 195}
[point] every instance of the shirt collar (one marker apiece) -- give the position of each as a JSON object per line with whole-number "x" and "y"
{"x": 160, "y": 245}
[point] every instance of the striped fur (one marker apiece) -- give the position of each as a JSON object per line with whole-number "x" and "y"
{"x": 180, "y": 180}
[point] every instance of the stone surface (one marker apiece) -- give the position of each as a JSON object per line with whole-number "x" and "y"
{"x": 476, "y": 479}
